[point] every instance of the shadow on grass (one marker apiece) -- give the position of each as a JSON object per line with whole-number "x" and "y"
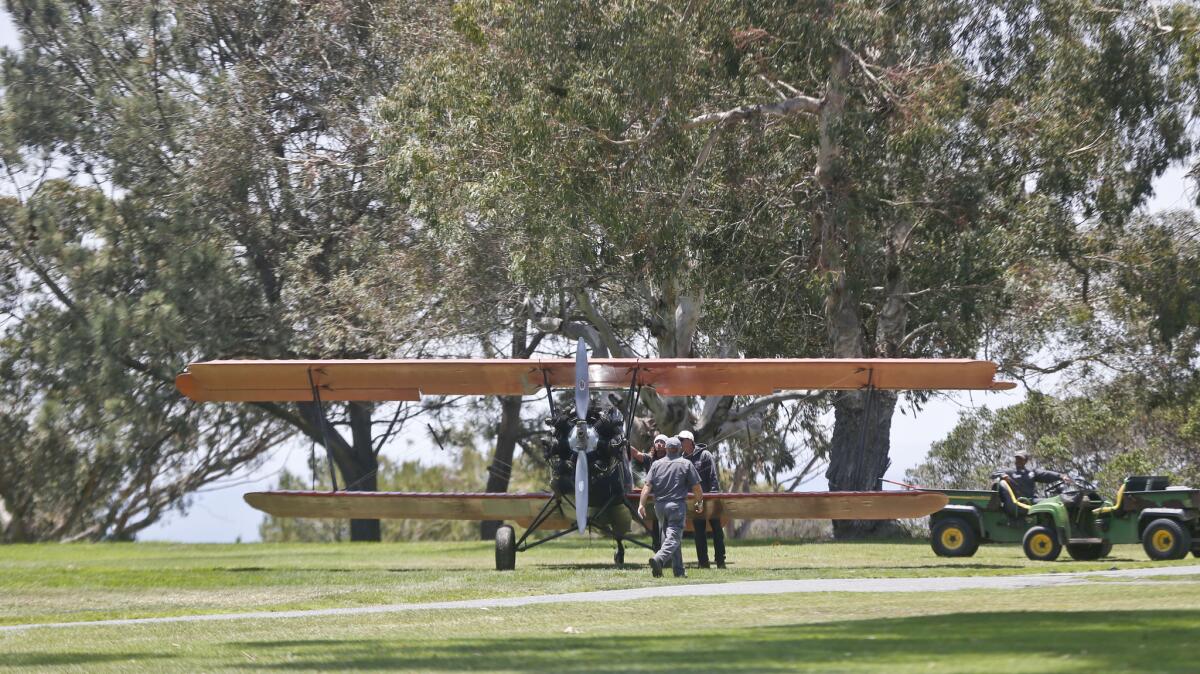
{"x": 74, "y": 659}
{"x": 801, "y": 542}
{"x": 1066, "y": 641}
{"x": 584, "y": 566}
{"x": 889, "y": 567}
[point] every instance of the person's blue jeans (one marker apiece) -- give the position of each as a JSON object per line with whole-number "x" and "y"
{"x": 671, "y": 516}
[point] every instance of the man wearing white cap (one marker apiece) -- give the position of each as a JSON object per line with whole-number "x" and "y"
{"x": 642, "y": 460}
{"x": 669, "y": 480}
{"x": 710, "y": 482}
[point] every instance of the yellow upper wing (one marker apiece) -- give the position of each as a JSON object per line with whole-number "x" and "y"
{"x": 293, "y": 380}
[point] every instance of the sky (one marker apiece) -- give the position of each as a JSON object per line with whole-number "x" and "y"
{"x": 217, "y": 514}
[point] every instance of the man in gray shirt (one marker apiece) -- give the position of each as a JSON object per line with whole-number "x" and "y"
{"x": 669, "y": 480}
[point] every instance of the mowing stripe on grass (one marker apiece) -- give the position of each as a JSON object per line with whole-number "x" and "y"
{"x": 751, "y": 587}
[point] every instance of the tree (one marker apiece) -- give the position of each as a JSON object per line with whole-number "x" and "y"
{"x": 98, "y": 444}
{"x": 710, "y": 180}
{"x": 244, "y": 130}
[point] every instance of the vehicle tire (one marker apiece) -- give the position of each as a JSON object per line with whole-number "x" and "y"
{"x": 1164, "y": 539}
{"x": 1041, "y": 544}
{"x": 1088, "y": 552}
{"x": 953, "y": 537}
{"x": 506, "y": 549}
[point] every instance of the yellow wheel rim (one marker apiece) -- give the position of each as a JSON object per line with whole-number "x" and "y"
{"x": 1163, "y": 540}
{"x": 1041, "y": 543}
{"x": 952, "y": 538}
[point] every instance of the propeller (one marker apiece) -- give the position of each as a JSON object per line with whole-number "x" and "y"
{"x": 581, "y": 463}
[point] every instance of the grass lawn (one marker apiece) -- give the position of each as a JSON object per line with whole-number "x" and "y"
{"x": 1111, "y": 626}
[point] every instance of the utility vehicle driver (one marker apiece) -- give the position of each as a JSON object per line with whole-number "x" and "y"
{"x": 1024, "y": 480}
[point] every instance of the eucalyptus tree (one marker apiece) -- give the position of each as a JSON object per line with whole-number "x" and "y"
{"x": 234, "y": 140}
{"x": 852, "y": 179}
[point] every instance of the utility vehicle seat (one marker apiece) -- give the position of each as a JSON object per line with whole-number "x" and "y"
{"x": 1146, "y": 482}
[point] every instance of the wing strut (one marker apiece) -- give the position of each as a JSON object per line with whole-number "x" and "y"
{"x": 549, "y": 393}
{"x": 320, "y": 413}
{"x": 634, "y": 393}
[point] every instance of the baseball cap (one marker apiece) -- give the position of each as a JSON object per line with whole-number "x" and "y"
{"x": 686, "y": 435}
{"x": 660, "y": 438}
{"x": 674, "y": 443}
{"x": 1021, "y": 454}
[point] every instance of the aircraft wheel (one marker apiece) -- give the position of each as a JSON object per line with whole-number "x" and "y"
{"x": 1041, "y": 544}
{"x": 1087, "y": 552}
{"x": 953, "y": 537}
{"x": 506, "y": 549}
{"x": 1164, "y": 539}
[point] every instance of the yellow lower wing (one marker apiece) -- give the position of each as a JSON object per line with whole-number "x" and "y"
{"x": 518, "y": 508}
{"x": 846, "y": 505}
{"x": 522, "y": 508}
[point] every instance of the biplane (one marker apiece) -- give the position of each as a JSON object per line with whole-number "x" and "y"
{"x": 591, "y": 486}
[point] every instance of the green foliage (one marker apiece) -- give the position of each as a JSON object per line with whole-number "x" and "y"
{"x": 1104, "y": 435}
{"x": 227, "y": 150}
{"x": 981, "y": 146}
{"x": 98, "y": 444}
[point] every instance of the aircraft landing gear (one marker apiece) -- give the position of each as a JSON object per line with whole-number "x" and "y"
{"x": 619, "y": 557}
{"x": 506, "y": 549}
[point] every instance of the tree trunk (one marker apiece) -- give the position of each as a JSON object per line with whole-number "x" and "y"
{"x": 361, "y": 474}
{"x": 12, "y": 529}
{"x": 356, "y": 462}
{"x": 500, "y": 471}
{"x": 858, "y": 454}
{"x": 365, "y": 530}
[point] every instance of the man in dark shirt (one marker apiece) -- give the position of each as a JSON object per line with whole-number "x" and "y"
{"x": 641, "y": 460}
{"x": 1024, "y": 481}
{"x": 710, "y": 478}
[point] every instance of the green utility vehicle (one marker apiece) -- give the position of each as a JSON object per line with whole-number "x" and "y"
{"x": 1166, "y": 520}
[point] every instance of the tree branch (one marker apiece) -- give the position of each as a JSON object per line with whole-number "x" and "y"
{"x": 607, "y": 335}
{"x": 773, "y": 399}
{"x": 791, "y": 106}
